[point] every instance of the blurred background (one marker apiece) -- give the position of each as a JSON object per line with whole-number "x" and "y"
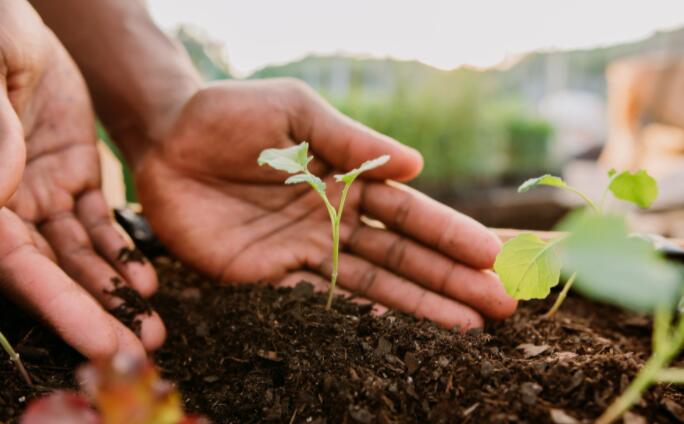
{"x": 490, "y": 92}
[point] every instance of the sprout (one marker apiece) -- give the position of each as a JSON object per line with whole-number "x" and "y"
{"x": 14, "y": 357}
{"x": 295, "y": 160}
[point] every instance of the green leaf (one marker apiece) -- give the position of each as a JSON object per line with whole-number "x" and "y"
{"x": 547, "y": 180}
{"x": 350, "y": 176}
{"x": 618, "y": 269}
{"x": 638, "y": 188}
{"x": 528, "y": 267}
{"x": 290, "y": 159}
{"x": 312, "y": 180}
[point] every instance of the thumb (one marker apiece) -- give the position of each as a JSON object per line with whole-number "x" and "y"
{"x": 12, "y": 149}
{"x": 345, "y": 143}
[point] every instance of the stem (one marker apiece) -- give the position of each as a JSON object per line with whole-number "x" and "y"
{"x": 14, "y": 357}
{"x": 335, "y": 260}
{"x": 652, "y": 369}
{"x": 561, "y": 296}
{"x": 605, "y": 191}
{"x": 336, "y": 220}
{"x": 584, "y": 197}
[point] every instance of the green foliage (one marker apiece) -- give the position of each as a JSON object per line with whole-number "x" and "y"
{"x": 528, "y": 267}
{"x": 638, "y": 188}
{"x": 615, "y": 268}
{"x": 545, "y": 180}
{"x": 528, "y": 144}
{"x": 350, "y": 176}
{"x": 315, "y": 182}
{"x": 295, "y": 160}
{"x": 290, "y": 159}
{"x": 608, "y": 265}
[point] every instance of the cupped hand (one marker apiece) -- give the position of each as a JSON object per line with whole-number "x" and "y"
{"x": 59, "y": 214}
{"x": 216, "y": 209}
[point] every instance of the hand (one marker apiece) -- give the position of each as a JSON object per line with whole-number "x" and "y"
{"x": 211, "y": 204}
{"x": 65, "y": 218}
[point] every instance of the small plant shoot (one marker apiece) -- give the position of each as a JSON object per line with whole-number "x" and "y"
{"x": 14, "y": 357}
{"x": 604, "y": 263}
{"x": 295, "y": 160}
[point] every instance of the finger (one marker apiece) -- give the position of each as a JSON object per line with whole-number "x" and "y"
{"x": 93, "y": 213}
{"x": 12, "y": 148}
{"x": 480, "y": 289}
{"x": 345, "y": 143}
{"x": 377, "y": 284}
{"x": 128, "y": 343}
{"x": 39, "y": 285}
{"x": 322, "y": 285}
{"x": 435, "y": 225}
{"x": 75, "y": 254}
{"x": 39, "y": 241}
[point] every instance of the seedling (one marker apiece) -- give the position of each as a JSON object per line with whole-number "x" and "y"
{"x": 605, "y": 263}
{"x": 529, "y": 267}
{"x": 295, "y": 160}
{"x": 14, "y": 357}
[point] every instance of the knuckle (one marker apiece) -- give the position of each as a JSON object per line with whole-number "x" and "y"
{"x": 403, "y": 209}
{"x": 367, "y": 278}
{"x": 394, "y": 257}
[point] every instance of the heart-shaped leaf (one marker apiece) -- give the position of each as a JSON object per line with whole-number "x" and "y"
{"x": 638, "y": 188}
{"x": 350, "y": 176}
{"x": 528, "y": 267}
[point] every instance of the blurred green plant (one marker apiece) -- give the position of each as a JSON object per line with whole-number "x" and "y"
{"x": 606, "y": 264}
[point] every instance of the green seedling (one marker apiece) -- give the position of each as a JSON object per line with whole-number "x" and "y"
{"x": 295, "y": 160}
{"x": 529, "y": 267}
{"x": 605, "y": 263}
{"x": 14, "y": 357}
{"x": 668, "y": 341}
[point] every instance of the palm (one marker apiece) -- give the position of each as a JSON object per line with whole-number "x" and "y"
{"x": 212, "y": 189}
{"x": 60, "y": 201}
{"x": 216, "y": 209}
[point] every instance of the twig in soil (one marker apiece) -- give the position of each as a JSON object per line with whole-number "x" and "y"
{"x": 14, "y": 357}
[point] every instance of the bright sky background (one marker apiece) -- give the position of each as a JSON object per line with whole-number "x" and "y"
{"x": 442, "y": 33}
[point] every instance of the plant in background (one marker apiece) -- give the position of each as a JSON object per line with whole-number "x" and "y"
{"x": 122, "y": 390}
{"x": 605, "y": 263}
{"x": 529, "y": 267}
{"x": 295, "y": 160}
{"x": 14, "y": 357}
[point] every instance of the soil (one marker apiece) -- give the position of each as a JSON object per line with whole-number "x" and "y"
{"x": 253, "y": 353}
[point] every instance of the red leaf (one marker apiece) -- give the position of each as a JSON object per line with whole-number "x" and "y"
{"x": 60, "y": 408}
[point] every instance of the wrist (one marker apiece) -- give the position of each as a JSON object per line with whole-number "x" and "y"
{"x": 136, "y": 130}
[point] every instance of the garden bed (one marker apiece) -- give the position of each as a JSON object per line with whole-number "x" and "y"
{"x": 243, "y": 354}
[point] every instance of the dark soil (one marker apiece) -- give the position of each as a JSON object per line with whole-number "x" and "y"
{"x": 132, "y": 306}
{"x": 244, "y": 354}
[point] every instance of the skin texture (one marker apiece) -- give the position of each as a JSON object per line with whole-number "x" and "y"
{"x": 57, "y": 215}
{"x": 214, "y": 207}
{"x": 193, "y": 149}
